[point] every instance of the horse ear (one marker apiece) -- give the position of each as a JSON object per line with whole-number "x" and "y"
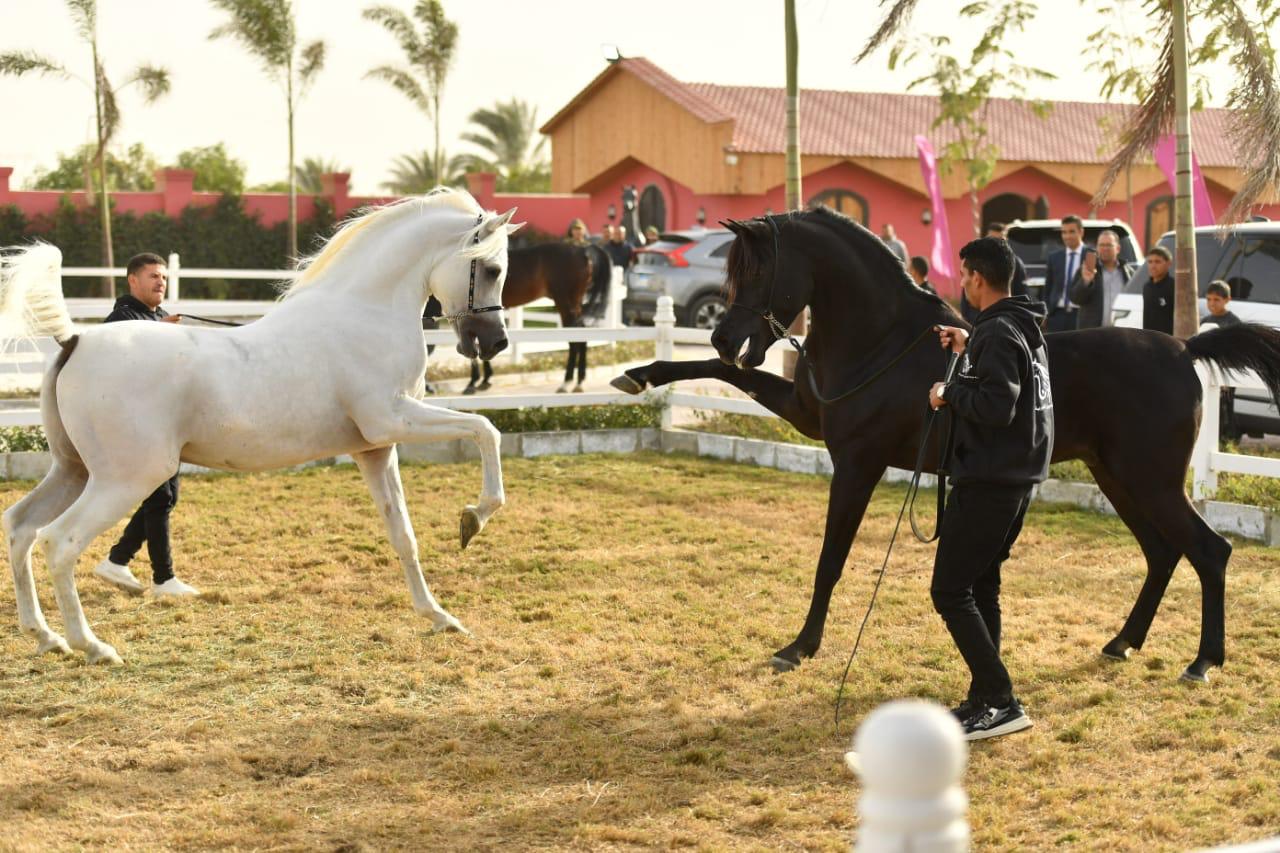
{"x": 511, "y": 229}
{"x": 494, "y": 223}
{"x": 733, "y": 225}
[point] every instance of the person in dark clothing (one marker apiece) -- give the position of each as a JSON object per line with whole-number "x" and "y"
{"x": 1002, "y": 408}
{"x": 619, "y": 251}
{"x": 431, "y": 315}
{"x": 918, "y": 268}
{"x": 148, "y": 277}
{"x": 1017, "y": 287}
{"x": 1217, "y": 297}
{"x": 1157, "y": 293}
{"x": 1059, "y": 270}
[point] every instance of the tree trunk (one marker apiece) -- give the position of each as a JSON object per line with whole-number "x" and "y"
{"x": 1186, "y": 321}
{"x": 435, "y": 121}
{"x": 293, "y": 179}
{"x": 976, "y": 208}
{"x": 108, "y": 286}
{"x": 793, "y": 158}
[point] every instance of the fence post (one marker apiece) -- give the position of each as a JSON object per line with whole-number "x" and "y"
{"x": 1204, "y": 480}
{"x": 911, "y": 756}
{"x": 664, "y": 348}
{"x": 175, "y": 276}
{"x": 617, "y": 293}
{"x": 515, "y": 320}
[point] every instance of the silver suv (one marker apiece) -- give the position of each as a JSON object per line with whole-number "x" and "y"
{"x": 689, "y": 267}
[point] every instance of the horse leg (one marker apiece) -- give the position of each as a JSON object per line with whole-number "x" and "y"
{"x": 570, "y": 361}
{"x": 381, "y": 472}
{"x": 102, "y": 503}
{"x": 1161, "y": 558}
{"x": 407, "y": 419}
{"x": 63, "y": 484}
{"x": 475, "y": 377}
{"x": 488, "y": 374}
{"x": 776, "y": 394}
{"x": 582, "y": 364}
{"x": 852, "y": 483}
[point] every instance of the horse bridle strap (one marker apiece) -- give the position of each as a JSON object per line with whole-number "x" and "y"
{"x": 471, "y": 286}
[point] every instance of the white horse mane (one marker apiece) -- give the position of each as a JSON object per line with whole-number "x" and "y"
{"x": 372, "y": 219}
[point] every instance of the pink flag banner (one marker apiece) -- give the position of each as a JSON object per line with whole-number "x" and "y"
{"x": 940, "y": 257}
{"x": 1165, "y": 154}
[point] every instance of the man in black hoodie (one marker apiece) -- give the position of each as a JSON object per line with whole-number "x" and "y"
{"x": 1157, "y": 293}
{"x": 1003, "y": 411}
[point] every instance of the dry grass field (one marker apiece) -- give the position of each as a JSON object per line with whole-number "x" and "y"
{"x": 615, "y": 694}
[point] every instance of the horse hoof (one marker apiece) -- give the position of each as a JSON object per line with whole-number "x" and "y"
{"x": 52, "y": 643}
{"x": 1197, "y": 672}
{"x": 483, "y": 386}
{"x": 469, "y": 525}
{"x": 102, "y": 653}
{"x": 627, "y": 384}
{"x": 1117, "y": 649}
{"x": 470, "y": 389}
{"x": 781, "y": 665}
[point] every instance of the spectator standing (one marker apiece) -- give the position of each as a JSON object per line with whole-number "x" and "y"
{"x": 919, "y": 271}
{"x": 148, "y": 277}
{"x": 619, "y": 251}
{"x": 1017, "y": 287}
{"x": 1101, "y": 277}
{"x": 1218, "y": 298}
{"x": 577, "y": 234}
{"x": 1059, "y": 271}
{"x": 1002, "y": 413}
{"x": 1157, "y": 294}
{"x": 890, "y": 238}
{"x": 650, "y": 235}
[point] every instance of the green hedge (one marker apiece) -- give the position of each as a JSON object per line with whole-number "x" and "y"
{"x": 221, "y": 236}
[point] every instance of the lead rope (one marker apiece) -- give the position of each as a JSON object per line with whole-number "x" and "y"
{"x": 913, "y": 488}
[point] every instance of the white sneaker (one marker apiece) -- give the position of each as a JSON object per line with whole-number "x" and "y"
{"x": 173, "y": 588}
{"x": 118, "y": 576}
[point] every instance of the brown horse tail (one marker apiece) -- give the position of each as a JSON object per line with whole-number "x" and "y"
{"x": 1246, "y": 346}
{"x": 601, "y": 276}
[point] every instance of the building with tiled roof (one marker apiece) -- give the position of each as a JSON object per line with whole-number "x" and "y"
{"x": 698, "y": 152}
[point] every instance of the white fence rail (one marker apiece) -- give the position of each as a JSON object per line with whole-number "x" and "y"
{"x": 1207, "y": 461}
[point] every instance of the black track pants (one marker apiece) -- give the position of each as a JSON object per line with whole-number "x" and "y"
{"x": 150, "y": 524}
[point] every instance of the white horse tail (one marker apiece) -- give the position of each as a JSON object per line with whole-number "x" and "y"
{"x": 31, "y": 301}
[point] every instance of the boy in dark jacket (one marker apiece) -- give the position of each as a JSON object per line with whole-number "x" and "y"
{"x": 1003, "y": 410}
{"x": 1157, "y": 293}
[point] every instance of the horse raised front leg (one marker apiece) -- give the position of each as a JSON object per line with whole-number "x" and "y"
{"x": 407, "y": 419}
{"x": 851, "y": 486}
{"x": 381, "y": 471}
{"x": 776, "y": 394}
{"x": 22, "y": 522}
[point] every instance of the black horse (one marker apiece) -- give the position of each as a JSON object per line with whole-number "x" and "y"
{"x": 872, "y": 358}
{"x": 575, "y": 278}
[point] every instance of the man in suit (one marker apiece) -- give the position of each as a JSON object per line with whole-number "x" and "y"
{"x": 1060, "y": 270}
{"x": 1101, "y": 278}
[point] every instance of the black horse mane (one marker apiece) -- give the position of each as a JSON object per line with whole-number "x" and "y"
{"x": 748, "y": 256}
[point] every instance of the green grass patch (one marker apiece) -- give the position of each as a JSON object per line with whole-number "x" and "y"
{"x": 623, "y": 352}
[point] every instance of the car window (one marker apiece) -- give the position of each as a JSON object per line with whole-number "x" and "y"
{"x": 1033, "y": 246}
{"x": 652, "y": 259}
{"x": 1253, "y": 268}
{"x": 722, "y": 251}
{"x": 1211, "y": 261}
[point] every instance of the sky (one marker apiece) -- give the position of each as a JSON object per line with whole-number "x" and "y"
{"x": 541, "y": 51}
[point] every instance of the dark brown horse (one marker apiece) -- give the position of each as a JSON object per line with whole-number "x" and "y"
{"x": 567, "y": 275}
{"x": 870, "y": 336}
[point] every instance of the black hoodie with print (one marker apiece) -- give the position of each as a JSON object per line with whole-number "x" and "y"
{"x": 1001, "y": 399}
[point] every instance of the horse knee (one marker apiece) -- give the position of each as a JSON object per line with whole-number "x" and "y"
{"x": 60, "y": 551}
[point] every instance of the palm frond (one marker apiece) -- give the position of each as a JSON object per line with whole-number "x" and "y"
{"x": 1255, "y": 111}
{"x": 313, "y": 56}
{"x": 440, "y": 44}
{"x": 403, "y": 82}
{"x": 264, "y": 28}
{"x": 153, "y": 80}
{"x": 400, "y": 26}
{"x": 106, "y": 94}
{"x": 19, "y": 62}
{"x": 892, "y": 24}
{"x": 85, "y": 13}
{"x": 1152, "y": 119}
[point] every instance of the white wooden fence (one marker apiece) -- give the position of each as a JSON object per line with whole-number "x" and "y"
{"x": 1206, "y": 460}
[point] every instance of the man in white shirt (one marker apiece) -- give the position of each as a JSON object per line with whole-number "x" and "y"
{"x": 1101, "y": 278}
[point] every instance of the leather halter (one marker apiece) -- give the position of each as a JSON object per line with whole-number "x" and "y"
{"x": 471, "y": 287}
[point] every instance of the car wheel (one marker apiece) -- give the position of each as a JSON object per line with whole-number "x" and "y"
{"x": 706, "y": 311}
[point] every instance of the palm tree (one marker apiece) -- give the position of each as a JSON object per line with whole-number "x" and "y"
{"x": 429, "y": 54}
{"x": 307, "y": 175}
{"x": 153, "y": 80}
{"x": 414, "y": 174}
{"x": 268, "y": 31}
{"x": 508, "y": 135}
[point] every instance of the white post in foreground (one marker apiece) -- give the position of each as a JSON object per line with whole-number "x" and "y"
{"x": 1204, "y": 480}
{"x": 664, "y": 348}
{"x": 617, "y": 293}
{"x": 175, "y": 276}
{"x": 515, "y": 320}
{"x": 911, "y": 756}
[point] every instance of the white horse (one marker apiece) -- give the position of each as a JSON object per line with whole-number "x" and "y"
{"x": 336, "y": 368}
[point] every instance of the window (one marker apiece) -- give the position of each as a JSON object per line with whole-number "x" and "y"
{"x": 1159, "y": 219}
{"x": 847, "y": 202}
{"x": 1253, "y": 268}
{"x": 722, "y": 251}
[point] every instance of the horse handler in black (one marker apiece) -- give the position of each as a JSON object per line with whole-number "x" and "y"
{"x": 1003, "y": 414}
